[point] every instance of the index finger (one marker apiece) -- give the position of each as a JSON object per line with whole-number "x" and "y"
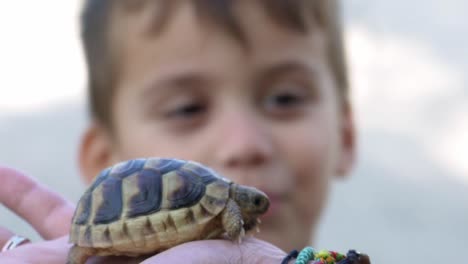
{"x": 47, "y": 212}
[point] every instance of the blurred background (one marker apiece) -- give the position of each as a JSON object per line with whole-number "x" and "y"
{"x": 408, "y": 62}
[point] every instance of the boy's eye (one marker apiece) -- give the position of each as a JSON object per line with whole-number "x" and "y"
{"x": 284, "y": 99}
{"x": 287, "y": 100}
{"x": 186, "y": 111}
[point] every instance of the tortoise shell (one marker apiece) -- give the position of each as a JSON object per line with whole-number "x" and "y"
{"x": 145, "y": 204}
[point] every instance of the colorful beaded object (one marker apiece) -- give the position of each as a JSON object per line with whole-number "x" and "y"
{"x": 308, "y": 255}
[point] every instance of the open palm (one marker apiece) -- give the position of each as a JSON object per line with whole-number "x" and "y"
{"x": 50, "y": 215}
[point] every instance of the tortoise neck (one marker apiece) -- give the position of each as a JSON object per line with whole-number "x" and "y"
{"x": 232, "y": 190}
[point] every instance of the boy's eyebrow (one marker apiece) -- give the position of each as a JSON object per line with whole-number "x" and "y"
{"x": 195, "y": 78}
{"x": 288, "y": 66}
{"x": 174, "y": 80}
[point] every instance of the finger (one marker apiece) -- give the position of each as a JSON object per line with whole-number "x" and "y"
{"x": 116, "y": 260}
{"x": 56, "y": 252}
{"x": 51, "y": 252}
{"x": 48, "y": 213}
{"x": 5, "y": 236}
{"x": 251, "y": 250}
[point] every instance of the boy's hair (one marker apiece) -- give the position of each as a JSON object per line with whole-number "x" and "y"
{"x": 296, "y": 15}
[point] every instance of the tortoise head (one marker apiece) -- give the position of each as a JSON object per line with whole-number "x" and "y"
{"x": 252, "y": 203}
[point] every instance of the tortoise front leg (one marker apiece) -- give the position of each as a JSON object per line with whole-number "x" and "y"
{"x": 232, "y": 221}
{"x": 79, "y": 255}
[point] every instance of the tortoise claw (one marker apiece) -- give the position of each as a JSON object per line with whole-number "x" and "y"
{"x": 241, "y": 235}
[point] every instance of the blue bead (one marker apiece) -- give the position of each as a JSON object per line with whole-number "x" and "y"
{"x": 307, "y": 254}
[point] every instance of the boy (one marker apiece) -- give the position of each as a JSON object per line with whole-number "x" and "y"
{"x": 256, "y": 90}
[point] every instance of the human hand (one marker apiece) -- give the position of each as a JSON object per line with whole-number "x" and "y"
{"x": 50, "y": 215}
{"x": 220, "y": 251}
{"x": 251, "y": 250}
{"x": 46, "y": 211}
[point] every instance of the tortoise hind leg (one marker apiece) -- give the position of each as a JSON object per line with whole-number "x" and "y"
{"x": 79, "y": 255}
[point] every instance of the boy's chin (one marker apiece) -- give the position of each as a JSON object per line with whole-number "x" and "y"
{"x": 284, "y": 231}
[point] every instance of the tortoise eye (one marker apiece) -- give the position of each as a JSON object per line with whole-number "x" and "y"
{"x": 257, "y": 201}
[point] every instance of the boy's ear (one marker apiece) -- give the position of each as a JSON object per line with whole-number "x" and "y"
{"x": 348, "y": 142}
{"x": 94, "y": 152}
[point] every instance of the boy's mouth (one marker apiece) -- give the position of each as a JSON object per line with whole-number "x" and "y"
{"x": 277, "y": 201}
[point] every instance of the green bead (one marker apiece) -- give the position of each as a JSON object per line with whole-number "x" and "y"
{"x": 323, "y": 254}
{"x": 340, "y": 257}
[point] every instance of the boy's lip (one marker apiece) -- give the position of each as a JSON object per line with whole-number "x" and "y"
{"x": 277, "y": 200}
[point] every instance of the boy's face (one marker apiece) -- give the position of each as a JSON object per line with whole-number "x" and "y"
{"x": 267, "y": 115}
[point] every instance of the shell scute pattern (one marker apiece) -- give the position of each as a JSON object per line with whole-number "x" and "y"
{"x": 110, "y": 208}
{"x": 185, "y": 190}
{"x": 127, "y": 168}
{"x": 111, "y": 203}
{"x": 149, "y": 205}
{"x": 83, "y": 211}
{"x": 157, "y": 200}
{"x": 216, "y": 197}
{"x": 147, "y": 196}
{"x": 164, "y": 166}
{"x": 206, "y": 175}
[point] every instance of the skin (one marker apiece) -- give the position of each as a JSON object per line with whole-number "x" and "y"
{"x": 267, "y": 116}
{"x": 54, "y": 249}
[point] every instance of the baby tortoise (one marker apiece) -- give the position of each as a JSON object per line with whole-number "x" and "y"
{"x": 144, "y": 206}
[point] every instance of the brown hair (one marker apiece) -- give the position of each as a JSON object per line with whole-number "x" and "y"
{"x": 293, "y": 14}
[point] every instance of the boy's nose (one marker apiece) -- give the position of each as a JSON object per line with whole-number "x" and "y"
{"x": 245, "y": 143}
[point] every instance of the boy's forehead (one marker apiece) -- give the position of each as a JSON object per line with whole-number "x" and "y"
{"x": 183, "y": 30}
